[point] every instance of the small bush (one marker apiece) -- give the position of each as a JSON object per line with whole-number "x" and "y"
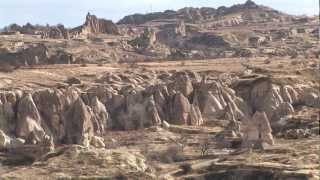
{"x": 280, "y": 66}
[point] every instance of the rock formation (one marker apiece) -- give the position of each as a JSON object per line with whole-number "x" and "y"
{"x": 256, "y": 131}
{"x": 75, "y": 116}
{"x": 29, "y": 121}
{"x": 79, "y": 124}
{"x": 55, "y": 32}
{"x": 145, "y": 40}
{"x": 94, "y": 25}
{"x": 181, "y": 28}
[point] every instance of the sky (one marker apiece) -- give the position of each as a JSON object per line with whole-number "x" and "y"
{"x": 72, "y": 12}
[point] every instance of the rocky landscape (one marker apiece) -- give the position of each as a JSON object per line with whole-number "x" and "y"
{"x": 170, "y": 95}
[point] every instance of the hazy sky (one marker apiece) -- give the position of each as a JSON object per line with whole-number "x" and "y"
{"x": 72, "y": 12}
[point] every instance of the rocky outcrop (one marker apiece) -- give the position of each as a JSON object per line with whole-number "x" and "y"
{"x": 51, "y": 104}
{"x": 32, "y": 55}
{"x": 94, "y": 25}
{"x": 79, "y": 125}
{"x": 145, "y": 40}
{"x": 46, "y": 32}
{"x": 209, "y": 40}
{"x": 29, "y": 121}
{"x": 101, "y": 116}
{"x": 276, "y": 100}
{"x": 195, "y": 115}
{"x": 181, "y": 28}
{"x": 256, "y": 131}
{"x": 55, "y": 32}
{"x": 139, "y": 100}
{"x": 35, "y": 54}
{"x": 7, "y": 111}
{"x": 180, "y": 109}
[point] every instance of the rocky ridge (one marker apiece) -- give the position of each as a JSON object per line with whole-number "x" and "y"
{"x": 198, "y": 15}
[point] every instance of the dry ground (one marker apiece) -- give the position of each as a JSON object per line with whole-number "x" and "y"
{"x": 50, "y": 75}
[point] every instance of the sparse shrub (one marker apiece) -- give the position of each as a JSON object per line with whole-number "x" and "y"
{"x": 183, "y": 63}
{"x": 280, "y": 66}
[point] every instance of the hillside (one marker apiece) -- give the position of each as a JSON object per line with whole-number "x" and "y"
{"x": 249, "y": 12}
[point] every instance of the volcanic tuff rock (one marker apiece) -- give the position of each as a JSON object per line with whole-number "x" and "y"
{"x": 256, "y": 130}
{"x": 73, "y": 115}
{"x": 45, "y": 32}
{"x": 95, "y": 25}
{"x": 29, "y": 121}
{"x": 92, "y": 25}
{"x": 79, "y": 124}
{"x": 56, "y": 32}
